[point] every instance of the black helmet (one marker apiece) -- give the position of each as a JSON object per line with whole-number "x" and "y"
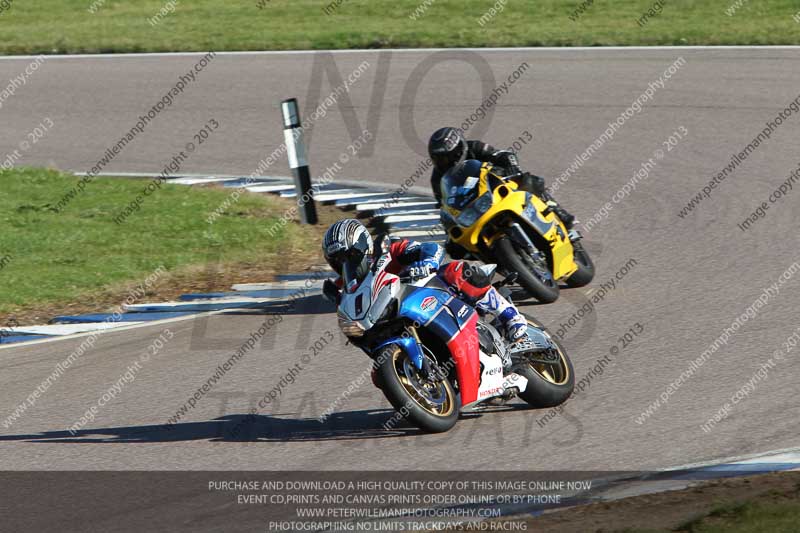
{"x": 446, "y": 148}
{"x": 348, "y": 249}
{"x": 460, "y": 184}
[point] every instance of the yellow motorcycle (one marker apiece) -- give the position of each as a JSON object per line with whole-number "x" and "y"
{"x": 493, "y": 219}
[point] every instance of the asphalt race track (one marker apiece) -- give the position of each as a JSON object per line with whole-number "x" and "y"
{"x": 692, "y": 276}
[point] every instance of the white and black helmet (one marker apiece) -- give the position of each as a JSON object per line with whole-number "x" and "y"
{"x": 348, "y": 249}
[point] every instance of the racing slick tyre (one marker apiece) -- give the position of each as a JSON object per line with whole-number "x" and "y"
{"x": 534, "y": 273}
{"x": 432, "y": 406}
{"x": 585, "y": 273}
{"x": 550, "y": 381}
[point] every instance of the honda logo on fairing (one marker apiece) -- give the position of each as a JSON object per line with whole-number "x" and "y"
{"x": 490, "y": 392}
{"x": 428, "y": 303}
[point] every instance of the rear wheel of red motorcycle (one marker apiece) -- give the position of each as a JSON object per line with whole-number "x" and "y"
{"x": 549, "y": 384}
{"x": 432, "y": 407}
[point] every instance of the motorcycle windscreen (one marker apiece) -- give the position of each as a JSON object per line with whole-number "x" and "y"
{"x": 460, "y": 184}
{"x": 355, "y": 268}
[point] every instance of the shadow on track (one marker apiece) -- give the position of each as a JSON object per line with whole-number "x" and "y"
{"x": 310, "y": 305}
{"x": 351, "y": 425}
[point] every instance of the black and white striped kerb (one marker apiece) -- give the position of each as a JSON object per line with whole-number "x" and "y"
{"x": 296, "y": 151}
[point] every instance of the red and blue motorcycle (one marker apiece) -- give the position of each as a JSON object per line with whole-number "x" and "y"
{"x": 435, "y": 357}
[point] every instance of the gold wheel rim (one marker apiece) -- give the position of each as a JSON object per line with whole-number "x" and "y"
{"x": 447, "y": 406}
{"x": 551, "y": 372}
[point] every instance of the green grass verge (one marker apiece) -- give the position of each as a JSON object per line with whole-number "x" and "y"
{"x": 50, "y": 257}
{"x": 67, "y": 26}
{"x": 748, "y": 517}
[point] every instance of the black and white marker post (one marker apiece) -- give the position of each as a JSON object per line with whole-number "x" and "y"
{"x": 296, "y": 150}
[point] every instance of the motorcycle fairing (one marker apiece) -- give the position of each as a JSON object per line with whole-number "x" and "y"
{"x": 563, "y": 256}
{"x": 409, "y": 345}
{"x": 368, "y": 301}
{"x": 461, "y": 311}
{"x": 491, "y": 377}
{"x": 423, "y": 305}
{"x": 438, "y": 311}
{"x": 523, "y": 206}
{"x": 464, "y": 347}
{"x": 531, "y": 214}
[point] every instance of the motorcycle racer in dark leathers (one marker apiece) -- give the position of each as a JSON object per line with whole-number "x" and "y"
{"x": 447, "y": 147}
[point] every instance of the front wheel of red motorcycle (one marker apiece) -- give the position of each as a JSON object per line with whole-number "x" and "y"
{"x": 431, "y": 406}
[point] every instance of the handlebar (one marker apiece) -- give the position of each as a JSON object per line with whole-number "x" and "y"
{"x": 412, "y": 279}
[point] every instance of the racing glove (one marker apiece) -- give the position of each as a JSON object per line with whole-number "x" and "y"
{"x": 506, "y": 159}
{"x": 421, "y": 269}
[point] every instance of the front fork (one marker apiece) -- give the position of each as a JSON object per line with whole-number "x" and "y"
{"x": 520, "y": 237}
{"x": 409, "y": 342}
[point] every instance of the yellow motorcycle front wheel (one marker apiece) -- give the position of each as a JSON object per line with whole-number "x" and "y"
{"x": 585, "y": 273}
{"x": 534, "y": 273}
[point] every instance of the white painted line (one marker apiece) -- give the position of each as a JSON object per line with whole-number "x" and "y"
{"x": 417, "y": 233}
{"x": 412, "y": 50}
{"x": 416, "y": 190}
{"x": 126, "y": 327}
{"x": 293, "y": 284}
{"x": 422, "y": 226}
{"x": 344, "y": 196}
{"x": 69, "y": 329}
{"x": 198, "y": 181}
{"x": 784, "y": 457}
{"x": 421, "y": 212}
{"x": 760, "y": 457}
{"x": 332, "y": 191}
{"x": 377, "y": 205}
{"x": 196, "y": 305}
{"x": 269, "y": 188}
{"x": 186, "y": 175}
{"x": 371, "y": 207}
{"x": 688, "y": 475}
{"x": 390, "y": 219}
{"x": 339, "y": 194}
